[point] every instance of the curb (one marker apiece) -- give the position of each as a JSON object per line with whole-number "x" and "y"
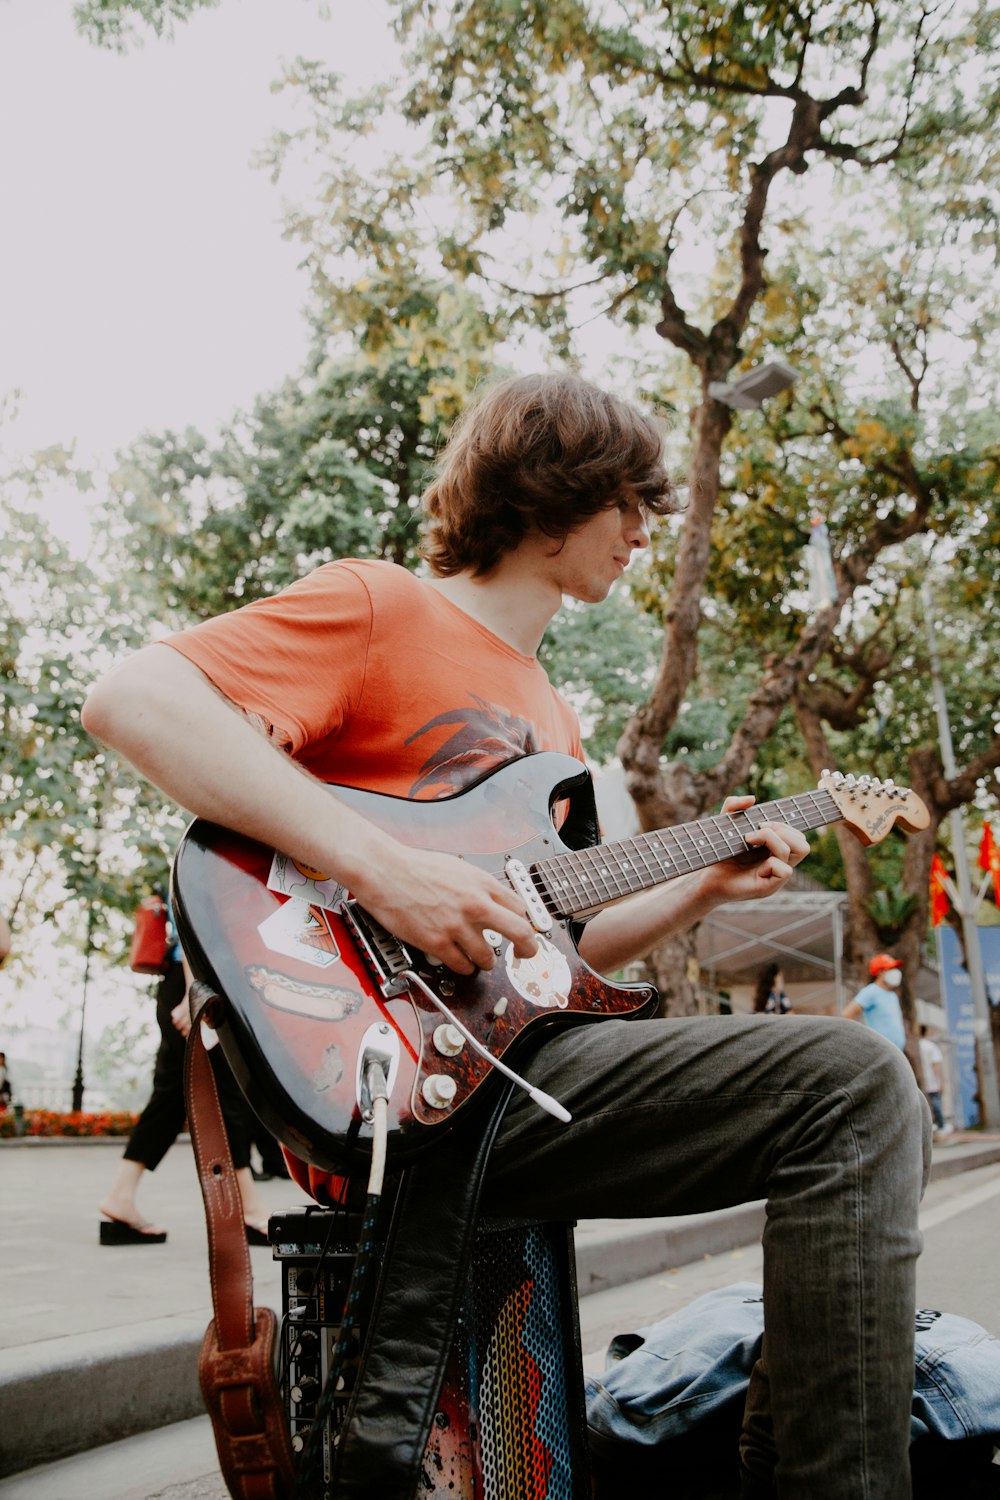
{"x": 68, "y": 1394}
{"x": 615, "y": 1257}
{"x": 37, "y": 1142}
{"x": 65, "y": 1395}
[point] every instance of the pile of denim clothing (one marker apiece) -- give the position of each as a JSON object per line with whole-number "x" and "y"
{"x": 670, "y": 1400}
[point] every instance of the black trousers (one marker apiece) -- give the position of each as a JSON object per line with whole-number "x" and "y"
{"x": 162, "y": 1120}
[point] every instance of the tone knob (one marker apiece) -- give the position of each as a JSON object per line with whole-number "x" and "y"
{"x": 448, "y": 1040}
{"x": 438, "y": 1090}
{"x": 305, "y": 1344}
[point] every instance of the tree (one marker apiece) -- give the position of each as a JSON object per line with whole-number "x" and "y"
{"x": 662, "y": 151}
{"x": 330, "y": 465}
{"x": 79, "y": 833}
{"x": 928, "y": 445}
{"x": 118, "y": 24}
{"x": 671, "y": 140}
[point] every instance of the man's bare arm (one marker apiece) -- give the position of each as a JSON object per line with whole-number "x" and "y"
{"x": 163, "y": 715}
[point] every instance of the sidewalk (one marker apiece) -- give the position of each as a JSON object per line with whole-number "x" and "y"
{"x": 98, "y": 1343}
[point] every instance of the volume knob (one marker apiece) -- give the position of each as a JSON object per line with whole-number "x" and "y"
{"x": 448, "y": 1040}
{"x": 438, "y": 1090}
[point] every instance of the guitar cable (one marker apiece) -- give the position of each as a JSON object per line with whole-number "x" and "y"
{"x": 309, "y": 1475}
{"x": 539, "y": 1096}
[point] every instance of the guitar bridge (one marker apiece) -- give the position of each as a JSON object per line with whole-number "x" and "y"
{"x": 384, "y": 954}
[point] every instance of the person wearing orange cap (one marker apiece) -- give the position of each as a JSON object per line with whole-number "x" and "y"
{"x": 877, "y": 1005}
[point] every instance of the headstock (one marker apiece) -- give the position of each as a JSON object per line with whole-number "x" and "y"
{"x": 872, "y": 808}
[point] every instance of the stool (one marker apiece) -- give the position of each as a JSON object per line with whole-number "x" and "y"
{"x": 510, "y": 1421}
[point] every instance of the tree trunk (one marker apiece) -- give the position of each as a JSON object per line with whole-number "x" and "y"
{"x": 861, "y": 937}
{"x": 675, "y": 974}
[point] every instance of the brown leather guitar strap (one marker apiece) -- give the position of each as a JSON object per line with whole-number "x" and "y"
{"x": 237, "y": 1363}
{"x": 411, "y": 1326}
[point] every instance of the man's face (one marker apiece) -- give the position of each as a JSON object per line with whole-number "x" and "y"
{"x": 596, "y": 553}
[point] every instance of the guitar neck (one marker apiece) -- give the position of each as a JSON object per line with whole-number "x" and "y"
{"x": 577, "y": 883}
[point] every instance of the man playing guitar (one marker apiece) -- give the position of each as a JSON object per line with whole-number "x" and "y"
{"x": 366, "y": 675}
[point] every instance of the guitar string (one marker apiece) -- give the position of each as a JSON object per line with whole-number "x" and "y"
{"x": 587, "y": 875}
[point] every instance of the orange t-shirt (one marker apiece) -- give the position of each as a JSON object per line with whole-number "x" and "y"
{"x": 373, "y": 679}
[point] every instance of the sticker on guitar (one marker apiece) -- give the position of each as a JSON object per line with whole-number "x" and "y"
{"x": 290, "y": 877}
{"x": 545, "y": 979}
{"x": 323, "y": 1002}
{"x": 298, "y": 930}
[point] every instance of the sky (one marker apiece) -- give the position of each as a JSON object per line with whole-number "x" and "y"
{"x": 144, "y": 279}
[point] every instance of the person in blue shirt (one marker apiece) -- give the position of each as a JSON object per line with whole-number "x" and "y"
{"x": 877, "y": 1005}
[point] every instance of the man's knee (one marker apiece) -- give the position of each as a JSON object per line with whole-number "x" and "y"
{"x": 888, "y": 1088}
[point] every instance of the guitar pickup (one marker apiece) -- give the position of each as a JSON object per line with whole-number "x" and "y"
{"x": 384, "y": 954}
{"x": 520, "y": 879}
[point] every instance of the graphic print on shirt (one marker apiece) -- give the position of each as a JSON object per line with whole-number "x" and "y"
{"x": 486, "y": 736}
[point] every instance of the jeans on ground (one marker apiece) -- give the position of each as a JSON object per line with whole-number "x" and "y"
{"x": 822, "y": 1118}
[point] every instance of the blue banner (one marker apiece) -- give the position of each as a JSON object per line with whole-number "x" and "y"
{"x": 957, "y": 997}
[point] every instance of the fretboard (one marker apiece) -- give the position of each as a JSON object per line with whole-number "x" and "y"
{"x": 584, "y": 880}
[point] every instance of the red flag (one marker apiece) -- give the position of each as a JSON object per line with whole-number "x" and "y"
{"x": 989, "y": 859}
{"x": 939, "y": 892}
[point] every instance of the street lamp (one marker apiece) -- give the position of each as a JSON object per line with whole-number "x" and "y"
{"x": 749, "y": 392}
{"x": 77, "y": 1100}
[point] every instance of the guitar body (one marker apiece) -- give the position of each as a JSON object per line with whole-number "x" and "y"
{"x": 304, "y": 1004}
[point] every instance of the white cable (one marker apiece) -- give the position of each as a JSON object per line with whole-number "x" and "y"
{"x": 380, "y": 1114}
{"x": 541, "y": 1098}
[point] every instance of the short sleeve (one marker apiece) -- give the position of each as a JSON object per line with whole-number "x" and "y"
{"x": 297, "y": 659}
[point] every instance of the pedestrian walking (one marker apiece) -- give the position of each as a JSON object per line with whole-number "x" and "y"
{"x": 163, "y": 1119}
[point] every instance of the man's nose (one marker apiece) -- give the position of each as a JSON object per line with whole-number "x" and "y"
{"x": 638, "y": 532}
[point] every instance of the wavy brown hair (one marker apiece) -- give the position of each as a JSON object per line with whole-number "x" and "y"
{"x": 545, "y": 451}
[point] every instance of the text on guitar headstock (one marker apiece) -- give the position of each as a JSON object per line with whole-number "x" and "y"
{"x": 872, "y": 808}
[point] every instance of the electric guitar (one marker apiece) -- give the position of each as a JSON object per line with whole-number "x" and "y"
{"x": 315, "y": 989}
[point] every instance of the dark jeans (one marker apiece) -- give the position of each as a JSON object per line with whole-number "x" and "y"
{"x": 822, "y": 1119}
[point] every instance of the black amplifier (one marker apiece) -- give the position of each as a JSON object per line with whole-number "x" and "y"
{"x": 510, "y": 1421}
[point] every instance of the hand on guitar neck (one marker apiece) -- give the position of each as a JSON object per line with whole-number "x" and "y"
{"x": 621, "y": 933}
